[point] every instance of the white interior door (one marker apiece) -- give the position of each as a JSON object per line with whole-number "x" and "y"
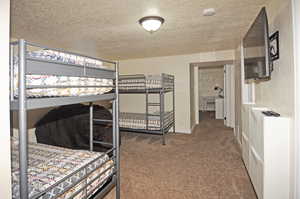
{"x": 229, "y": 99}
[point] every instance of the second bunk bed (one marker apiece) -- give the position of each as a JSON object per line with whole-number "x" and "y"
{"x": 43, "y": 77}
{"x": 159, "y": 121}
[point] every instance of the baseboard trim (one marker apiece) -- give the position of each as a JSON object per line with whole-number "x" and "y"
{"x": 184, "y": 131}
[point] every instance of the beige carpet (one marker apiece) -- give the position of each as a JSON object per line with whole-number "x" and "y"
{"x": 204, "y": 165}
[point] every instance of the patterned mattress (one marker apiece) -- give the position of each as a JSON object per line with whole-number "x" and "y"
{"x": 50, "y": 80}
{"x": 139, "y": 121}
{"x": 150, "y": 82}
{"x": 52, "y": 55}
{"x": 50, "y": 166}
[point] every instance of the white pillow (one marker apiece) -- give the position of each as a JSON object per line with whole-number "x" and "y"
{"x": 31, "y": 135}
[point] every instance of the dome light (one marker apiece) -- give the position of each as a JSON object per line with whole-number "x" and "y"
{"x": 151, "y": 23}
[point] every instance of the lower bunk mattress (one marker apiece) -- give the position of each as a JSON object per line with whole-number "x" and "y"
{"x": 139, "y": 121}
{"x": 55, "y": 172}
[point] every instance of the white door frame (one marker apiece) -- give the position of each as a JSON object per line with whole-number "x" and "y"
{"x": 5, "y": 171}
{"x": 229, "y": 95}
{"x": 296, "y": 34}
{"x": 194, "y": 103}
{"x": 196, "y": 92}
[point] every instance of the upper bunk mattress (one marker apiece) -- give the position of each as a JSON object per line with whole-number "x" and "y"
{"x": 49, "y": 165}
{"x": 52, "y": 55}
{"x": 62, "y": 86}
{"x": 149, "y": 82}
{"x": 70, "y": 86}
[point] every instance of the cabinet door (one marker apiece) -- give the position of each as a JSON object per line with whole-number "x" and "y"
{"x": 245, "y": 151}
{"x": 256, "y": 138}
{"x": 256, "y": 172}
{"x": 260, "y": 179}
{"x": 245, "y": 120}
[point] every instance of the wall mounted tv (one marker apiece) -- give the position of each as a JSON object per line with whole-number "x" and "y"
{"x": 257, "y": 62}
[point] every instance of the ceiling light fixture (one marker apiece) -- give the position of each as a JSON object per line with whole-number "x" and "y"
{"x": 151, "y": 23}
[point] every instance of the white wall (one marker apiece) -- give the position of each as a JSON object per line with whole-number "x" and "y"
{"x": 176, "y": 65}
{"x": 5, "y": 173}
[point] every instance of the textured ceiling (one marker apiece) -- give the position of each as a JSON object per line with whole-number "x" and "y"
{"x": 109, "y": 28}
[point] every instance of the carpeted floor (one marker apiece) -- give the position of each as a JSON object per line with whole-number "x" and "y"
{"x": 204, "y": 165}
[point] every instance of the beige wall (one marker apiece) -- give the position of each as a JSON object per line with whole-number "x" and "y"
{"x": 278, "y": 93}
{"x": 175, "y": 65}
{"x": 5, "y": 173}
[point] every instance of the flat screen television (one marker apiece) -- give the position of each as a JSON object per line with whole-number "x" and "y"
{"x": 256, "y": 45}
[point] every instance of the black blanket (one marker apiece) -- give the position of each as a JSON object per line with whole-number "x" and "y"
{"x": 68, "y": 126}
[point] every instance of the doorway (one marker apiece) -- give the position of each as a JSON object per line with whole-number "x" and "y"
{"x": 212, "y": 96}
{"x": 211, "y": 92}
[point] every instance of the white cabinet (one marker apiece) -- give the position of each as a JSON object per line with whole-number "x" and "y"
{"x": 265, "y": 151}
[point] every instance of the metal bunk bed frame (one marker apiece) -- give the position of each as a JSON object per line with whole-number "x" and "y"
{"x": 170, "y": 79}
{"x": 29, "y": 65}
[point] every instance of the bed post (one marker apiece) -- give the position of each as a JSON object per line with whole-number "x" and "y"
{"x": 23, "y": 150}
{"x": 147, "y": 105}
{"x": 91, "y": 126}
{"x": 116, "y": 131}
{"x": 162, "y": 110}
{"x": 174, "y": 130}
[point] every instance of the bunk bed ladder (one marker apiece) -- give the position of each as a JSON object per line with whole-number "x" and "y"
{"x": 116, "y": 134}
{"x": 147, "y": 107}
{"x": 173, "y": 98}
{"x": 162, "y": 108}
{"x": 160, "y": 105}
{"x": 94, "y": 121}
{"x": 162, "y": 115}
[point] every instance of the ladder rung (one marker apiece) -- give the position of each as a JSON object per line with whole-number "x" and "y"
{"x": 153, "y": 104}
{"x": 149, "y": 114}
{"x": 102, "y": 120}
{"x": 103, "y": 143}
